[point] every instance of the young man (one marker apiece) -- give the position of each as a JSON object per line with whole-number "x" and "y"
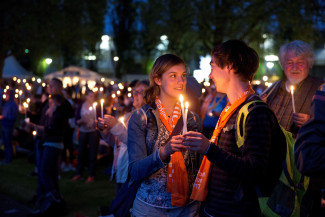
{"x": 228, "y": 174}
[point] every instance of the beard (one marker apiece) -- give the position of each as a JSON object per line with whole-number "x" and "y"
{"x": 294, "y": 80}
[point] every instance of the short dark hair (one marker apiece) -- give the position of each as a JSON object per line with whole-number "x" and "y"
{"x": 58, "y": 82}
{"x": 236, "y": 53}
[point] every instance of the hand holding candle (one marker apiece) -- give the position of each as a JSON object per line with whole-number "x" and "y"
{"x": 185, "y": 118}
{"x": 293, "y": 99}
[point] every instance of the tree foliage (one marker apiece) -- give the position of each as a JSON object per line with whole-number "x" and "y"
{"x": 62, "y": 29}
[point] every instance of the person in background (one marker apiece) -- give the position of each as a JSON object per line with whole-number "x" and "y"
{"x": 67, "y": 154}
{"x": 8, "y": 119}
{"x": 310, "y": 151}
{"x": 110, "y": 126}
{"x": 88, "y": 135}
{"x": 162, "y": 191}
{"x": 212, "y": 106}
{"x": 296, "y": 59}
{"x": 229, "y": 174}
{"x": 50, "y": 201}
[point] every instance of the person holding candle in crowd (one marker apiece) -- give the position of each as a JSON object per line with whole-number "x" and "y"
{"x": 110, "y": 126}
{"x": 228, "y": 174}
{"x": 54, "y": 87}
{"x": 8, "y": 120}
{"x": 88, "y": 135}
{"x": 50, "y": 201}
{"x": 153, "y": 157}
{"x": 296, "y": 59}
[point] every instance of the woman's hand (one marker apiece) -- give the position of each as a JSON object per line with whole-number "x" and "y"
{"x": 110, "y": 120}
{"x": 102, "y": 125}
{"x": 175, "y": 144}
{"x": 195, "y": 141}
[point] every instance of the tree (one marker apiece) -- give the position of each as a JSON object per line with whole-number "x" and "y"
{"x": 123, "y": 13}
{"x": 56, "y": 28}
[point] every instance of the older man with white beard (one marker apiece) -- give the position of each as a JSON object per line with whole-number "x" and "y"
{"x": 296, "y": 59}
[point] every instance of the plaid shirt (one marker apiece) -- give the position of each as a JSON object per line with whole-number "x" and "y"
{"x": 280, "y": 102}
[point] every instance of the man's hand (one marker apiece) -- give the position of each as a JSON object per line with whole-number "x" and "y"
{"x": 300, "y": 119}
{"x": 195, "y": 141}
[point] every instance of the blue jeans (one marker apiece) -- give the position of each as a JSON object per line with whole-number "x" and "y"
{"x": 49, "y": 171}
{"x": 140, "y": 209}
{"x": 7, "y": 141}
{"x": 85, "y": 139}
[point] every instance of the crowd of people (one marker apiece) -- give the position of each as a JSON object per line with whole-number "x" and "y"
{"x": 186, "y": 160}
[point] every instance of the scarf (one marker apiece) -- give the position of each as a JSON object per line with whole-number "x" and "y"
{"x": 177, "y": 178}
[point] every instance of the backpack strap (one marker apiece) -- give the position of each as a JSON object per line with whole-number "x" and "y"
{"x": 241, "y": 119}
{"x": 240, "y": 136}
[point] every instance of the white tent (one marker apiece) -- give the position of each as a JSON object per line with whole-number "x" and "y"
{"x": 12, "y": 68}
{"x": 73, "y": 74}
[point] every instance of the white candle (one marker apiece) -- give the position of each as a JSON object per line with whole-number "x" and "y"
{"x": 94, "y": 108}
{"x": 185, "y": 118}
{"x": 181, "y": 99}
{"x": 293, "y": 99}
{"x": 101, "y": 107}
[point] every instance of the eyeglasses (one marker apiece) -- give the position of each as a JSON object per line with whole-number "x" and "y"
{"x": 135, "y": 93}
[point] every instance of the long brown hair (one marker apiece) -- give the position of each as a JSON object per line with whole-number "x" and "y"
{"x": 161, "y": 65}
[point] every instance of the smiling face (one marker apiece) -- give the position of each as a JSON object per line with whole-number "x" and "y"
{"x": 173, "y": 82}
{"x": 220, "y": 76}
{"x": 296, "y": 68}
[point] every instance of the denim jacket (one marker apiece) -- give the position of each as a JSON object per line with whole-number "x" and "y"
{"x": 142, "y": 134}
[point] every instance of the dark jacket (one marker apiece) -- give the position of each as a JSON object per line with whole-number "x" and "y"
{"x": 55, "y": 126}
{"x": 9, "y": 112}
{"x": 310, "y": 143}
{"x": 237, "y": 171}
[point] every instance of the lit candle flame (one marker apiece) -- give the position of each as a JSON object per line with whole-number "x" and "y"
{"x": 291, "y": 89}
{"x": 181, "y": 98}
{"x": 121, "y": 119}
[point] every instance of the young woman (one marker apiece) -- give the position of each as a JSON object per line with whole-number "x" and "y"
{"x": 114, "y": 131}
{"x": 88, "y": 135}
{"x": 229, "y": 175}
{"x": 167, "y": 171}
{"x": 50, "y": 201}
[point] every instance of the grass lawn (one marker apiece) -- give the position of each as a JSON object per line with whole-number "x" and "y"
{"x": 81, "y": 197}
